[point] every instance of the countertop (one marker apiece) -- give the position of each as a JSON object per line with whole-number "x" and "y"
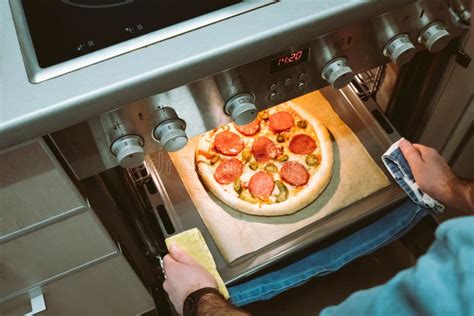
{"x": 31, "y": 110}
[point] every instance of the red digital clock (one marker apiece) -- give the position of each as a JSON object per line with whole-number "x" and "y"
{"x": 288, "y": 60}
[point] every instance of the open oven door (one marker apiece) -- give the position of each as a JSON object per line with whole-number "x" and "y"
{"x": 176, "y": 212}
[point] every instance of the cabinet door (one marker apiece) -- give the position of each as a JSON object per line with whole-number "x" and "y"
{"x": 108, "y": 288}
{"x": 450, "y": 127}
{"x": 34, "y": 191}
{"x": 53, "y": 252}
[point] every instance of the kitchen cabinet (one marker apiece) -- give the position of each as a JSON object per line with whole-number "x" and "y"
{"x": 53, "y": 251}
{"x": 51, "y": 239}
{"x": 450, "y": 128}
{"x": 34, "y": 190}
{"x": 108, "y": 288}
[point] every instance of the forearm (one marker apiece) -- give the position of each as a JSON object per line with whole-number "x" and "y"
{"x": 213, "y": 304}
{"x": 462, "y": 195}
{"x": 467, "y": 189}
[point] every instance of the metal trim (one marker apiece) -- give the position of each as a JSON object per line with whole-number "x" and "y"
{"x": 42, "y": 224}
{"x": 66, "y": 273}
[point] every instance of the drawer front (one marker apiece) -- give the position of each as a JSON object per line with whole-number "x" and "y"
{"x": 53, "y": 251}
{"x": 34, "y": 189}
{"x": 108, "y": 288}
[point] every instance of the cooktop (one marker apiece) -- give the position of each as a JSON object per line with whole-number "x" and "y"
{"x": 62, "y": 30}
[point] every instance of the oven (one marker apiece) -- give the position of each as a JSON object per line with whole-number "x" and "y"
{"x": 380, "y": 73}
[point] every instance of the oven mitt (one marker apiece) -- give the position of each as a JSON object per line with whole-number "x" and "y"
{"x": 194, "y": 244}
{"x": 400, "y": 170}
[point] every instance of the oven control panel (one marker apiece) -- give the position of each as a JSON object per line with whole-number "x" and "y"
{"x": 333, "y": 59}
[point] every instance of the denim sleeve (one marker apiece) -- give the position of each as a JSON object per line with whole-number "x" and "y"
{"x": 441, "y": 283}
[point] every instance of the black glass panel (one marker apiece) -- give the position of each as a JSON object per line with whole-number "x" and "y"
{"x": 65, "y": 29}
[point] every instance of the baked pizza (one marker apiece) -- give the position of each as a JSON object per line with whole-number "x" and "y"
{"x": 275, "y": 165}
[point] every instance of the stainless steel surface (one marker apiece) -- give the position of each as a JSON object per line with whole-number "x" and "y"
{"x": 52, "y": 252}
{"x": 129, "y": 151}
{"x": 358, "y": 117}
{"x": 434, "y": 37}
{"x": 36, "y": 74}
{"x": 337, "y": 73}
{"x": 32, "y": 110}
{"x": 400, "y": 50}
{"x": 34, "y": 191}
{"x": 450, "y": 126}
{"x": 108, "y": 288}
{"x": 202, "y": 104}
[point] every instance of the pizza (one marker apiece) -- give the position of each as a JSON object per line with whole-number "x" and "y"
{"x": 275, "y": 165}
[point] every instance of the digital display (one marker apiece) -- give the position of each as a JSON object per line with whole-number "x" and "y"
{"x": 289, "y": 60}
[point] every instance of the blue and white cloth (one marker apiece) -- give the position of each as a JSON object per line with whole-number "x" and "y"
{"x": 400, "y": 170}
{"x": 369, "y": 238}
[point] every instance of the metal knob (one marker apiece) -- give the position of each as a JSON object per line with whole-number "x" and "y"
{"x": 337, "y": 73}
{"x": 241, "y": 108}
{"x": 170, "y": 131}
{"x": 434, "y": 37}
{"x": 465, "y": 16}
{"x": 129, "y": 151}
{"x": 399, "y": 49}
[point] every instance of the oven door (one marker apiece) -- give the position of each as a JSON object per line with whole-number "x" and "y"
{"x": 175, "y": 211}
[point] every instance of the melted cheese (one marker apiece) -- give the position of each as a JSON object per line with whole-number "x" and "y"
{"x": 265, "y": 131}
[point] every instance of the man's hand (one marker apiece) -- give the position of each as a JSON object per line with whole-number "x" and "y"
{"x": 183, "y": 276}
{"x": 435, "y": 177}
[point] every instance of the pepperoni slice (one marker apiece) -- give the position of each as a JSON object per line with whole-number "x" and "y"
{"x": 228, "y": 143}
{"x": 294, "y": 173}
{"x": 302, "y": 144}
{"x": 228, "y": 170}
{"x": 249, "y": 129}
{"x": 281, "y": 121}
{"x": 261, "y": 185}
{"x": 263, "y": 149}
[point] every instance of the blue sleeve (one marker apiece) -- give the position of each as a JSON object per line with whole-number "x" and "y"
{"x": 441, "y": 283}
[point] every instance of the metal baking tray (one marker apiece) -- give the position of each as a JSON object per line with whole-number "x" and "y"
{"x": 183, "y": 215}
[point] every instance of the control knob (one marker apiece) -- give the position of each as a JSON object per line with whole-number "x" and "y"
{"x": 170, "y": 130}
{"x": 434, "y": 37}
{"x": 465, "y": 16}
{"x": 129, "y": 151}
{"x": 241, "y": 108}
{"x": 337, "y": 73}
{"x": 399, "y": 49}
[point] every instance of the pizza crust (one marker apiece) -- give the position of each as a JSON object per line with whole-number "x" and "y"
{"x": 317, "y": 183}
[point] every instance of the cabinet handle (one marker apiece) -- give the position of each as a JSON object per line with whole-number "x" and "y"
{"x": 37, "y": 302}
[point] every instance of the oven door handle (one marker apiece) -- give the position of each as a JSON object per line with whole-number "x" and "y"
{"x": 162, "y": 302}
{"x": 38, "y": 304}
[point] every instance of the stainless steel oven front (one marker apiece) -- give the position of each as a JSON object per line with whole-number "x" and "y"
{"x": 122, "y": 154}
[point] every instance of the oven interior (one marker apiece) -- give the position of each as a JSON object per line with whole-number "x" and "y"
{"x": 142, "y": 206}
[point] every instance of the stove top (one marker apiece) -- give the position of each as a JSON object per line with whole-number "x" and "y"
{"x": 62, "y": 30}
